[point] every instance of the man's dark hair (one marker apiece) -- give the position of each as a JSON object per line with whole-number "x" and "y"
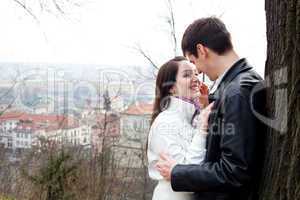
{"x": 210, "y": 32}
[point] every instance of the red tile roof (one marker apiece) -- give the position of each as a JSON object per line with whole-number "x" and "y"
{"x": 11, "y": 116}
{"x": 30, "y": 117}
{"x": 40, "y": 121}
{"x": 139, "y": 109}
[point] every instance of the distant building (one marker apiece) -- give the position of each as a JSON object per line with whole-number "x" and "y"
{"x": 135, "y": 120}
{"x": 23, "y": 135}
{"x": 8, "y": 122}
{"x": 135, "y": 123}
{"x": 22, "y": 130}
{"x": 105, "y": 131}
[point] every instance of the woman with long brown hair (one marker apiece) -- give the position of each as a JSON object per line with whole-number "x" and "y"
{"x": 174, "y": 126}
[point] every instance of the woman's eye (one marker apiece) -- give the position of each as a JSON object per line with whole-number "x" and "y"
{"x": 187, "y": 75}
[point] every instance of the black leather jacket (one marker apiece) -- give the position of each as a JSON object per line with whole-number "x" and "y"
{"x": 234, "y": 142}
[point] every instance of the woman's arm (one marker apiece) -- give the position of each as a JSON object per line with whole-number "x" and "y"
{"x": 164, "y": 137}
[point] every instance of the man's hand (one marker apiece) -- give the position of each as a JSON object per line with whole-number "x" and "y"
{"x": 165, "y": 165}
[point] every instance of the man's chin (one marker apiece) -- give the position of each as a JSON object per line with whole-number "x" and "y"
{"x": 211, "y": 78}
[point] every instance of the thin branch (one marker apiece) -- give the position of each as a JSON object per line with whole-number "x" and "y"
{"x": 41, "y": 5}
{"x": 171, "y": 22}
{"x": 9, "y": 89}
{"x": 118, "y": 93}
{"x": 8, "y": 106}
{"x": 54, "y": 7}
{"x": 22, "y": 4}
{"x": 141, "y": 51}
{"x": 58, "y": 7}
{"x": 15, "y": 81}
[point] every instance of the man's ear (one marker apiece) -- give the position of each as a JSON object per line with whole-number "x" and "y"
{"x": 202, "y": 50}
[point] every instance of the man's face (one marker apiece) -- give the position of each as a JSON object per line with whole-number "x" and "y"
{"x": 198, "y": 61}
{"x": 203, "y": 62}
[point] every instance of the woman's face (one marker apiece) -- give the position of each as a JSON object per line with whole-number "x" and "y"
{"x": 187, "y": 83}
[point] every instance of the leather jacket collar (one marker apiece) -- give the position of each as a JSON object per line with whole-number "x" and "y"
{"x": 239, "y": 67}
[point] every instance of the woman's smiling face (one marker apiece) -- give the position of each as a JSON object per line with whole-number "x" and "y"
{"x": 187, "y": 83}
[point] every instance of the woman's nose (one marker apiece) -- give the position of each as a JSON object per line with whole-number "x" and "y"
{"x": 195, "y": 78}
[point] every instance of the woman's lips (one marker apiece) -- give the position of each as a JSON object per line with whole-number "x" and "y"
{"x": 195, "y": 87}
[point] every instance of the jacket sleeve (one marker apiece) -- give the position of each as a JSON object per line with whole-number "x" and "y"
{"x": 164, "y": 137}
{"x": 237, "y": 160}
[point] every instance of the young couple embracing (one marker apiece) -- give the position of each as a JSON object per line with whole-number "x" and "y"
{"x": 205, "y": 145}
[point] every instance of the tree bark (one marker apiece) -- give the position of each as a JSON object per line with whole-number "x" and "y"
{"x": 281, "y": 171}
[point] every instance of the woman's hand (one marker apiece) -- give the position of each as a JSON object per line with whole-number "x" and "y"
{"x": 203, "y": 117}
{"x": 203, "y": 98}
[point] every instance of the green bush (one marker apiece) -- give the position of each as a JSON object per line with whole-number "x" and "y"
{"x": 5, "y": 198}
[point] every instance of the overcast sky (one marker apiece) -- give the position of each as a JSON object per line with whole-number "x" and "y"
{"x": 102, "y": 31}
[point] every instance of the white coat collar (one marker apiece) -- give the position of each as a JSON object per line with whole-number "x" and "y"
{"x": 181, "y": 107}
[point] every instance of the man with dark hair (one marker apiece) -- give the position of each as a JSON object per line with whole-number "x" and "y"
{"x": 210, "y": 32}
{"x": 232, "y": 161}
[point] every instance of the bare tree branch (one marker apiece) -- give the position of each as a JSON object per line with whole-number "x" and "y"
{"x": 58, "y": 7}
{"x": 10, "y": 89}
{"x": 171, "y": 22}
{"x": 54, "y": 7}
{"x": 27, "y": 9}
{"x": 142, "y": 52}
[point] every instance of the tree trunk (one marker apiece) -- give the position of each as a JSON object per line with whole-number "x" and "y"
{"x": 281, "y": 172}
